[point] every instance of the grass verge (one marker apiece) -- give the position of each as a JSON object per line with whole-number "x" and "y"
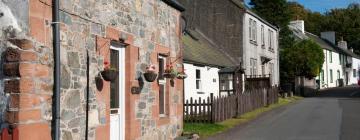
{"x": 206, "y": 130}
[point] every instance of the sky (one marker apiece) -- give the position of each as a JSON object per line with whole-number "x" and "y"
{"x": 323, "y": 5}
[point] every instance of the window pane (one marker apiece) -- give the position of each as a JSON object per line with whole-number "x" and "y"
{"x": 114, "y": 85}
{"x": 162, "y": 99}
{"x": 161, "y": 68}
{"x": 198, "y": 84}
{"x": 198, "y": 74}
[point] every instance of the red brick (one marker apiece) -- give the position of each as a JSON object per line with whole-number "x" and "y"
{"x": 12, "y": 117}
{"x": 11, "y": 69}
{"x": 26, "y": 115}
{"x": 14, "y": 100}
{"x": 22, "y": 43}
{"x": 19, "y": 86}
{"x": 37, "y": 29}
{"x": 39, "y": 9}
{"x": 26, "y": 69}
{"x": 28, "y": 56}
{"x": 12, "y": 55}
{"x": 28, "y": 101}
{"x": 42, "y": 71}
{"x": 36, "y": 131}
{"x": 112, "y": 33}
{"x": 26, "y": 85}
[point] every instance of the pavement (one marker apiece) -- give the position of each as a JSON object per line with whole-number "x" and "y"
{"x": 332, "y": 115}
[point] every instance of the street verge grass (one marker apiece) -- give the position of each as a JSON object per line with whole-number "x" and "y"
{"x": 206, "y": 129}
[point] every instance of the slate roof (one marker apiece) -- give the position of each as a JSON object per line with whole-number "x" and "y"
{"x": 200, "y": 51}
{"x": 323, "y": 43}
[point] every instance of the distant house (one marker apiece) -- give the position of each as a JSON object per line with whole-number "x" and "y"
{"x": 227, "y": 46}
{"x": 202, "y": 62}
{"x": 341, "y": 66}
{"x": 260, "y": 48}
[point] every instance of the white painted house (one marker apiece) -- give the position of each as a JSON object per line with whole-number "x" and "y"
{"x": 341, "y": 65}
{"x": 260, "y": 47}
{"x": 202, "y": 63}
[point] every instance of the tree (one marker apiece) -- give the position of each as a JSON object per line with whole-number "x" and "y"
{"x": 313, "y": 20}
{"x": 305, "y": 58}
{"x": 346, "y": 23}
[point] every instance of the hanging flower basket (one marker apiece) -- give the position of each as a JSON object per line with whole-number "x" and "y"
{"x": 109, "y": 74}
{"x": 181, "y": 75}
{"x": 170, "y": 72}
{"x": 150, "y": 74}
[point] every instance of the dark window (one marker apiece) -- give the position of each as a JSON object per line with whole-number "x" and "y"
{"x": 162, "y": 86}
{"x": 114, "y": 85}
{"x": 161, "y": 68}
{"x": 198, "y": 80}
{"x": 197, "y": 74}
{"x": 162, "y": 99}
{"x": 331, "y": 76}
{"x": 354, "y": 72}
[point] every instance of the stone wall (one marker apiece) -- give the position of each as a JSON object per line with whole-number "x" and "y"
{"x": 150, "y": 27}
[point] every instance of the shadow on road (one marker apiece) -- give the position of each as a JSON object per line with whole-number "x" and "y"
{"x": 340, "y": 92}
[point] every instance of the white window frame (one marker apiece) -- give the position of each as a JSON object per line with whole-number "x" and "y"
{"x": 162, "y": 82}
{"x": 198, "y": 79}
{"x": 262, "y": 35}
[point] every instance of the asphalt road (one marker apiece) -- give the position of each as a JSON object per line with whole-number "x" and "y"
{"x": 333, "y": 115}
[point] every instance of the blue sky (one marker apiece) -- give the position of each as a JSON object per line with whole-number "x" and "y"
{"x": 323, "y": 5}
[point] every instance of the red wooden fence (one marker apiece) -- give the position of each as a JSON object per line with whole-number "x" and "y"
{"x": 219, "y": 109}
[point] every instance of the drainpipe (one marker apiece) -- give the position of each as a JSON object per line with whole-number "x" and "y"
{"x": 56, "y": 50}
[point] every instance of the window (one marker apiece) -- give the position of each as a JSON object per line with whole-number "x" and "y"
{"x": 252, "y": 31}
{"x": 340, "y": 61}
{"x": 162, "y": 86}
{"x": 271, "y": 39}
{"x": 262, "y": 36}
{"x": 338, "y": 73}
{"x": 263, "y": 69}
{"x": 226, "y": 82}
{"x": 198, "y": 80}
{"x": 253, "y": 66}
{"x": 331, "y": 76}
{"x": 330, "y": 55}
{"x": 114, "y": 85}
{"x": 322, "y": 76}
{"x": 354, "y": 73}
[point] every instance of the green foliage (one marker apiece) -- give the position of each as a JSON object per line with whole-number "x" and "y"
{"x": 305, "y": 58}
{"x": 344, "y": 21}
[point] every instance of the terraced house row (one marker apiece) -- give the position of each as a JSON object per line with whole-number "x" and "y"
{"x": 341, "y": 66}
{"x": 116, "y": 69}
{"x": 75, "y": 70}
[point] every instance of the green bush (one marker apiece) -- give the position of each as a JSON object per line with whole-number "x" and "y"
{"x": 304, "y": 58}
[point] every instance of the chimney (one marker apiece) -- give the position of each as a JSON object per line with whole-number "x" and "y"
{"x": 298, "y": 24}
{"x": 342, "y": 44}
{"x": 329, "y": 36}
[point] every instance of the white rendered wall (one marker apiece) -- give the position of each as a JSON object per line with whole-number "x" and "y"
{"x": 355, "y": 65}
{"x": 256, "y": 51}
{"x": 208, "y": 76}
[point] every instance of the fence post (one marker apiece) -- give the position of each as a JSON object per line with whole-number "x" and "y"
{"x": 212, "y": 107}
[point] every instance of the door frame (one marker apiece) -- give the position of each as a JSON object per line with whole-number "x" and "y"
{"x": 122, "y": 95}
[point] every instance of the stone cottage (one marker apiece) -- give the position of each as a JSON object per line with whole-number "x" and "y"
{"x": 126, "y": 35}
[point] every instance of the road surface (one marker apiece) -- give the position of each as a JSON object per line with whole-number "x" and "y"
{"x": 333, "y": 115}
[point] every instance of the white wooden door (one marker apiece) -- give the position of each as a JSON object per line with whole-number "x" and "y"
{"x": 117, "y": 94}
